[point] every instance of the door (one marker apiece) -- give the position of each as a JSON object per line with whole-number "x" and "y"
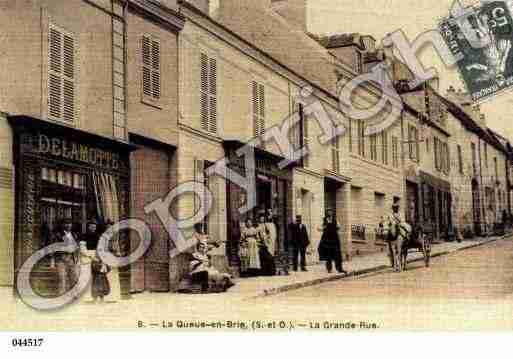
{"x": 476, "y": 207}
{"x": 412, "y": 203}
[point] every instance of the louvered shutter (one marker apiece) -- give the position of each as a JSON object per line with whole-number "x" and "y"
{"x": 204, "y": 92}
{"x": 261, "y": 118}
{"x": 61, "y": 76}
{"x": 151, "y": 79}
{"x": 258, "y": 108}
{"x": 208, "y": 100}
{"x": 212, "y": 125}
{"x": 256, "y": 131}
{"x": 155, "y": 64}
{"x": 147, "y": 64}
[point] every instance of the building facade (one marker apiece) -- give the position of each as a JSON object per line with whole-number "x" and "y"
{"x": 91, "y": 90}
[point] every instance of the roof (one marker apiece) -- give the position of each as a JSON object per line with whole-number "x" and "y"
{"x": 272, "y": 34}
{"x": 471, "y": 125}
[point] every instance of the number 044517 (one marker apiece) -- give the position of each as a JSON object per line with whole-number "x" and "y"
{"x": 27, "y": 342}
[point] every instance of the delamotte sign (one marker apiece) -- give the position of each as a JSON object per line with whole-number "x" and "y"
{"x": 72, "y": 150}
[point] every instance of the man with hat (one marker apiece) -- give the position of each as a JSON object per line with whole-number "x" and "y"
{"x": 299, "y": 242}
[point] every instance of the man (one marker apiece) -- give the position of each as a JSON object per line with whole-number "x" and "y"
{"x": 67, "y": 262}
{"x": 92, "y": 237}
{"x": 398, "y": 232}
{"x": 298, "y": 243}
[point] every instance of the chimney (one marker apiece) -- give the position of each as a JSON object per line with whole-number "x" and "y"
{"x": 202, "y": 5}
{"x": 294, "y": 11}
{"x": 369, "y": 42}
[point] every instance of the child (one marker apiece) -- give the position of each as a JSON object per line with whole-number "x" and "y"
{"x": 100, "y": 284}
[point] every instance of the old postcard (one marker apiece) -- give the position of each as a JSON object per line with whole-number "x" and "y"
{"x": 255, "y": 166}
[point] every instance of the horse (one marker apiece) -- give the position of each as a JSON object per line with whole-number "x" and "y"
{"x": 402, "y": 237}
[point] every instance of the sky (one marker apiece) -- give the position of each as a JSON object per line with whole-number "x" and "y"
{"x": 413, "y": 17}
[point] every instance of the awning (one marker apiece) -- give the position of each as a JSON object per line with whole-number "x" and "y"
{"x": 234, "y": 145}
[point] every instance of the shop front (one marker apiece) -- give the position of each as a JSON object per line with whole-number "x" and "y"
{"x": 274, "y": 195}
{"x": 63, "y": 173}
{"x": 436, "y": 203}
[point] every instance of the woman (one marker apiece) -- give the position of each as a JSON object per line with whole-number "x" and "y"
{"x": 248, "y": 251}
{"x": 203, "y": 273}
{"x": 267, "y": 247}
{"x": 329, "y": 247}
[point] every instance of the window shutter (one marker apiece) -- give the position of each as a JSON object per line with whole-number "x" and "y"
{"x": 61, "y": 76}
{"x": 151, "y": 67}
{"x": 146, "y": 55}
{"x": 213, "y": 96}
{"x": 204, "y": 92}
{"x": 258, "y": 108}
{"x": 208, "y": 93}
{"x": 155, "y": 62}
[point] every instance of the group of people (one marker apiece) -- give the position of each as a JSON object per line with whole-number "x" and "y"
{"x": 258, "y": 246}
{"x": 68, "y": 264}
{"x": 330, "y": 249}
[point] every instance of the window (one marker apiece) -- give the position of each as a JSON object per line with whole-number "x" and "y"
{"x": 460, "y": 160}
{"x": 447, "y": 159}
{"x": 395, "y": 152}
{"x": 384, "y": 147}
{"x": 436, "y": 150}
{"x": 373, "y": 147}
{"x": 208, "y": 94}
{"x": 496, "y": 167}
{"x": 150, "y": 48}
{"x": 61, "y": 74}
{"x": 305, "y": 136}
{"x": 413, "y": 142}
{"x": 474, "y": 165}
{"x": 361, "y": 138}
{"x": 350, "y": 136}
{"x": 258, "y": 91}
{"x": 358, "y": 62}
{"x": 486, "y": 154}
{"x": 335, "y": 154}
{"x": 427, "y": 144}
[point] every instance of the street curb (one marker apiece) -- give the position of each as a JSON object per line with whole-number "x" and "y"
{"x": 313, "y": 282}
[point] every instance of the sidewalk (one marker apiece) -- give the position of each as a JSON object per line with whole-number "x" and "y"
{"x": 264, "y": 286}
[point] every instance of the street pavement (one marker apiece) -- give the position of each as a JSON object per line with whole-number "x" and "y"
{"x": 469, "y": 289}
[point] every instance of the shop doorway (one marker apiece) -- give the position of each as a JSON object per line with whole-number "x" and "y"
{"x": 264, "y": 194}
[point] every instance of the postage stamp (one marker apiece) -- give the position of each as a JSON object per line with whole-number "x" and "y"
{"x": 486, "y": 68}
